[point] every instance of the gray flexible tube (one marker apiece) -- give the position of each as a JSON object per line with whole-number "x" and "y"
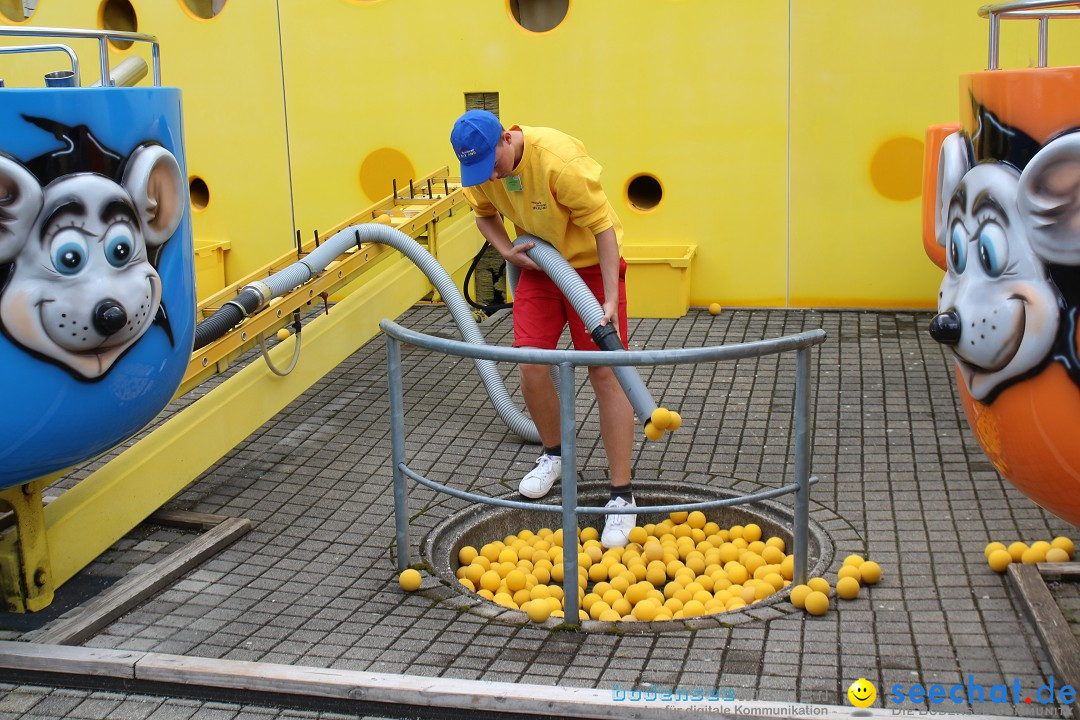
{"x": 588, "y": 309}
{"x": 304, "y": 269}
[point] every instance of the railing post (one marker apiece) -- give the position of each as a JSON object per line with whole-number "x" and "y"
{"x": 802, "y": 463}
{"x": 1044, "y": 40}
{"x": 397, "y": 451}
{"x": 995, "y": 28}
{"x": 567, "y": 430}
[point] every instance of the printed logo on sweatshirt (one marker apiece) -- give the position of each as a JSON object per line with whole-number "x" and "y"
{"x": 538, "y": 205}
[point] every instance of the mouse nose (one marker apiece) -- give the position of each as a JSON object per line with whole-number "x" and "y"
{"x": 109, "y": 317}
{"x": 945, "y": 327}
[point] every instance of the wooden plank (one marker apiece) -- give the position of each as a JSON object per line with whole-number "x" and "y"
{"x": 132, "y": 590}
{"x": 300, "y": 686}
{"x": 187, "y": 519}
{"x": 1050, "y": 624}
{"x": 483, "y": 698}
{"x": 98, "y": 662}
{"x": 1065, "y": 569}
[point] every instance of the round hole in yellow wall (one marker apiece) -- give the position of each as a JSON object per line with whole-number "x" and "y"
{"x": 203, "y": 9}
{"x": 896, "y": 168}
{"x": 538, "y": 16}
{"x": 15, "y": 11}
{"x": 118, "y": 15}
{"x": 379, "y": 170}
{"x": 644, "y": 192}
{"x": 199, "y": 192}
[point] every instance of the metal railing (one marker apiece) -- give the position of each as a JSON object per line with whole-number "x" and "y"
{"x": 1041, "y": 10}
{"x": 102, "y": 36}
{"x": 566, "y": 361}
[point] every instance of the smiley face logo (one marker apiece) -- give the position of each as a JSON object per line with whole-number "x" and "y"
{"x": 862, "y": 693}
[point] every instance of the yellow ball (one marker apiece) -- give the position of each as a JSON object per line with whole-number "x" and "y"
{"x": 817, "y": 603}
{"x": 538, "y": 609}
{"x": 467, "y": 554}
{"x": 1033, "y": 555}
{"x": 798, "y": 595}
{"x": 383, "y": 219}
{"x": 751, "y": 532}
{"x": 848, "y": 571}
{"x": 854, "y": 560}
{"x": 675, "y": 422}
{"x": 1064, "y": 543}
{"x": 991, "y": 547}
{"x": 819, "y": 584}
{"x": 283, "y": 334}
{"x": 714, "y": 308}
{"x": 696, "y": 519}
{"x": 999, "y": 560}
{"x": 661, "y": 417}
{"x": 847, "y": 588}
{"x": 652, "y": 432}
{"x": 1057, "y": 555}
{"x": 870, "y": 571}
{"x": 1041, "y": 545}
{"x": 679, "y": 517}
{"x": 409, "y": 580}
{"x": 1017, "y": 550}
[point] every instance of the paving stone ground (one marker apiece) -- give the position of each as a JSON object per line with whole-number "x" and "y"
{"x": 902, "y": 481}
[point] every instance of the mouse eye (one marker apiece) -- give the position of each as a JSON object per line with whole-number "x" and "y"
{"x": 993, "y": 249}
{"x": 68, "y": 253}
{"x": 118, "y": 250}
{"x": 957, "y": 248}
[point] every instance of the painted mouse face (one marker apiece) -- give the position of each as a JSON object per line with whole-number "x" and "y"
{"x": 81, "y": 289}
{"x": 999, "y": 306}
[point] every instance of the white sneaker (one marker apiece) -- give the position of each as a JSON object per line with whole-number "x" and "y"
{"x": 540, "y": 479}
{"x": 617, "y": 527}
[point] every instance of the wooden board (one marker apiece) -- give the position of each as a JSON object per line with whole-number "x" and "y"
{"x": 134, "y": 589}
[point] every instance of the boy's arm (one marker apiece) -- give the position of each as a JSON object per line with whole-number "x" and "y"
{"x": 607, "y": 248}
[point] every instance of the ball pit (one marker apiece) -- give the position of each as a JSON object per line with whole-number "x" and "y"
{"x": 695, "y": 565}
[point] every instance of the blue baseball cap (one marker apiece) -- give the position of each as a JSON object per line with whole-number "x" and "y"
{"x": 474, "y": 137}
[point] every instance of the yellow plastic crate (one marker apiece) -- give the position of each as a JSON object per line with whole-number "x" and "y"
{"x": 658, "y": 280}
{"x": 209, "y": 266}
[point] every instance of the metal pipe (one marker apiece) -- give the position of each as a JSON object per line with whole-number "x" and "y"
{"x": 592, "y": 510}
{"x": 397, "y": 452}
{"x": 15, "y": 50}
{"x": 568, "y": 425}
{"x": 1023, "y": 5}
{"x": 992, "y": 60}
{"x": 1044, "y": 33}
{"x": 670, "y": 356}
{"x": 802, "y": 463}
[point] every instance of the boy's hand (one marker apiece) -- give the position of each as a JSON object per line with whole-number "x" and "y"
{"x": 517, "y": 256}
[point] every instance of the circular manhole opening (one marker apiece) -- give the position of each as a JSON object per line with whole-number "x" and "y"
{"x": 483, "y": 524}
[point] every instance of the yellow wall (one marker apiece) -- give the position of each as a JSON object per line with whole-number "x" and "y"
{"x": 786, "y": 134}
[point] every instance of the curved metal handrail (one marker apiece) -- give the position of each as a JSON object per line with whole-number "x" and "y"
{"x": 102, "y": 36}
{"x": 567, "y": 360}
{"x": 19, "y": 49}
{"x": 670, "y": 356}
{"x": 1041, "y": 10}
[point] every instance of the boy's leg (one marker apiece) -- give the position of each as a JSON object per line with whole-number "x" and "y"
{"x": 538, "y": 322}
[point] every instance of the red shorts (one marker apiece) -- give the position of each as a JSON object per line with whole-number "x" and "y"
{"x": 541, "y": 311}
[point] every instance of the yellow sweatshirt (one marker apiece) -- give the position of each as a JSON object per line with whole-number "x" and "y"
{"x": 560, "y": 200}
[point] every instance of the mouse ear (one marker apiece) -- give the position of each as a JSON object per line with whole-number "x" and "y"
{"x": 1049, "y": 200}
{"x": 20, "y": 203}
{"x": 157, "y": 188}
{"x": 952, "y": 166}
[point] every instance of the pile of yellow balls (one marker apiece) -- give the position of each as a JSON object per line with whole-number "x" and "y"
{"x": 813, "y": 597}
{"x": 682, "y": 567}
{"x": 999, "y": 557}
{"x": 662, "y": 420}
